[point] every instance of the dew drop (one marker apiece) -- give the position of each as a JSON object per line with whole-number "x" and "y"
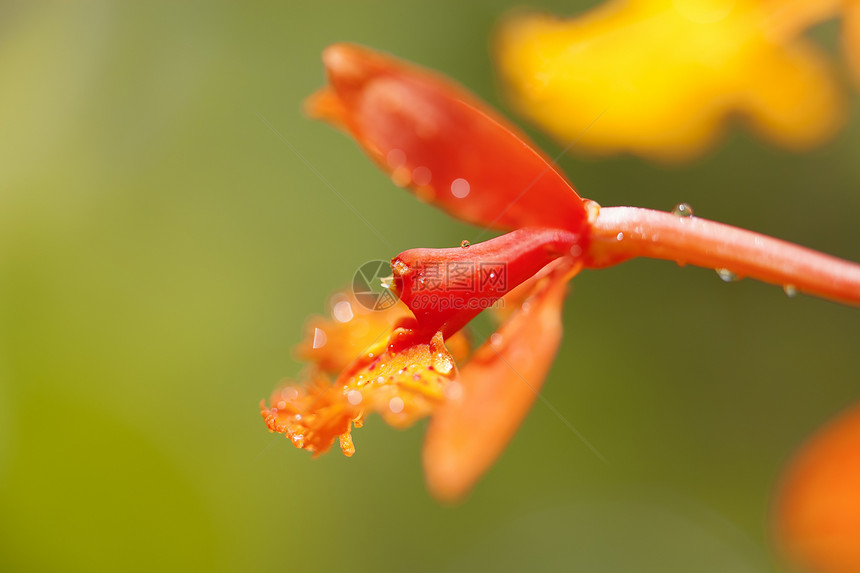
{"x": 619, "y": 237}
{"x": 396, "y": 404}
{"x": 496, "y": 339}
{"x": 320, "y": 338}
{"x": 421, "y": 175}
{"x": 464, "y": 244}
{"x": 460, "y": 188}
{"x": 354, "y": 397}
{"x": 395, "y": 158}
{"x": 442, "y": 363}
{"x": 726, "y": 275}
{"x": 683, "y": 210}
{"x": 342, "y": 311}
{"x": 790, "y": 291}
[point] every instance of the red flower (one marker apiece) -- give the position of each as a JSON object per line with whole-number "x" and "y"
{"x": 444, "y": 145}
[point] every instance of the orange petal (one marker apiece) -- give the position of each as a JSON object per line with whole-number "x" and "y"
{"x": 333, "y": 342}
{"x": 312, "y": 415}
{"x": 818, "y": 508}
{"x": 496, "y": 389}
{"x": 437, "y": 139}
{"x": 403, "y": 379}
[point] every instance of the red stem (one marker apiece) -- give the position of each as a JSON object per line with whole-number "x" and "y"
{"x": 620, "y": 233}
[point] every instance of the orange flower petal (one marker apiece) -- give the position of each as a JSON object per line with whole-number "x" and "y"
{"x": 818, "y": 508}
{"x": 312, "y": 415}
{"x": 441, "y": 142}
{"x": 403, "y": 379}
{"x": 496, "y": 389}
{"x": 406, "y": 381}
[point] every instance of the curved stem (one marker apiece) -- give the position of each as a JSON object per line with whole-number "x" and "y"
{"x": 621, "y": 233}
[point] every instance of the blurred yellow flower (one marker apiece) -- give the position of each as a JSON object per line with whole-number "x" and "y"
{"x": 852, "y": 36}
{"x": 664, "y": 75}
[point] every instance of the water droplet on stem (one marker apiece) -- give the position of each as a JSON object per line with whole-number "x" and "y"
{"x": 727, "y": 276}
{"x": 682, "y": 210}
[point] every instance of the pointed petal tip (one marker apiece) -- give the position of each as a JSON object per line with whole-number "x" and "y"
{"x": 350, "y": 66}
{"x": 324, "y": 104}
{"x": 344, "y": 60}
{"x": 445, "y": 481}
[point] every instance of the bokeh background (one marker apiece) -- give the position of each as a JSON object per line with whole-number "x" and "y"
{"x": 161, "y": 247}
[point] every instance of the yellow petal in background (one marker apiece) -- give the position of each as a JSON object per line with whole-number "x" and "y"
{"x": 852, "y": 36}
{"x": 661, "y": 77}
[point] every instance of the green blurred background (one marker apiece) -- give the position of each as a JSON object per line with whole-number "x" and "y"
{"x": 161, "y": 247}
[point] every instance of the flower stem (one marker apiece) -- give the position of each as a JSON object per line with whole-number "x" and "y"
{"x": 621, "y": 233}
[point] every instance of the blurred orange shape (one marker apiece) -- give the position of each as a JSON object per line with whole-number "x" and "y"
{"x": 402, "y": 378}
{"x": 332, "y": 342}
{"x": 852, "y": 36}
{"x": 659, "y": 78}
{"x": 495, "y": 390}
{"x": 818, "y": 506}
